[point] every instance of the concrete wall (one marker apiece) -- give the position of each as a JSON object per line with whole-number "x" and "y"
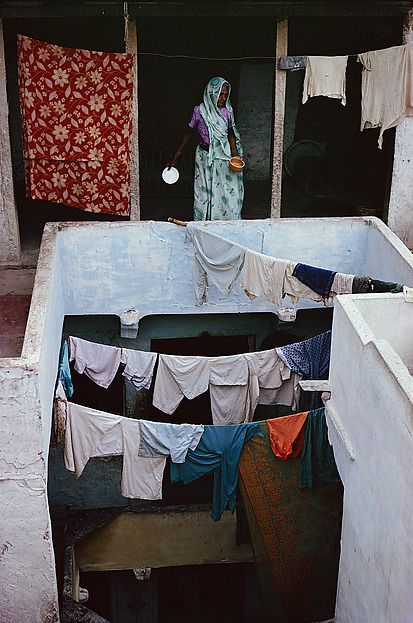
{"x": 27, "y": 575}
{"x": 370, "y": 416}
{"x": 401, "y": 195}
{"x": 101, "y": 268}
{"x": 162, "y": 540}
{"x": 27, "y": 568}
{"x": 254, "y": 118}
{"x": 9, "y": 227}
{"x": 400, "y": 218}
{"x": 146, "y": 265}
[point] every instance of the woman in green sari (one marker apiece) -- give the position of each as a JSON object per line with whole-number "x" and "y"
{"x": 218, "y": 191}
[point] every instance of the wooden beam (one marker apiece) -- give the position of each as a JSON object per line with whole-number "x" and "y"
{"x": 281, "y": 49}
{"x": 132, "y": 46}
{"x": 39, "y": 8}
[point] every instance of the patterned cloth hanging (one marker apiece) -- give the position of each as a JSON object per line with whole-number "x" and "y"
{"x": 76, "y": 109}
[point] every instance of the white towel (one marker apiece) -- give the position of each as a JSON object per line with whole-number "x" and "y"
{"x": 263, "y": 275}
{"x": 325, "y": 75}
{"x": 217, "y": 260}
{"x": 386, "y": 87}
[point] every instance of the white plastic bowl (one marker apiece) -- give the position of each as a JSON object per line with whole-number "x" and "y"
{"x": 170, "y": 176}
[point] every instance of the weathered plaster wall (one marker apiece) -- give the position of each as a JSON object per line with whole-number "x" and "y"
{"x": 400, "y": 213}
{"x": 162, "y": 540}
{"x": 44, "y": 326}
{"x": 370, "y": 416}
{"x": 9, "y": 227}
{"x": 27, "y": 568}
{"x": 28, "y": 589}
{"x": 101, "y": 268}
{"x": 381, "y": 258}
{"x": 254, "y": 118}
{"x": 401, "y": 195}
{"x": 146, "y": 265}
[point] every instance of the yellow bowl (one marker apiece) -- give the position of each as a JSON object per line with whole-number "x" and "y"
{"x": 236, "y": 164}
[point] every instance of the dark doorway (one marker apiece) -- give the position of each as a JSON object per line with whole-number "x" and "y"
{"x": 171, "y": 84}
{"x": 331, "y": 168}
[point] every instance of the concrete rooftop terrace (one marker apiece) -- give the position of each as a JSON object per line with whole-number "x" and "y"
{"x": 106, "y": 268}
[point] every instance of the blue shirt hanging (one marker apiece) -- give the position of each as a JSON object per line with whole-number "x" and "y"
{"x": 319, "y": 280}
{"x": 64, "y": 374}
{"x": 218, "y": 451}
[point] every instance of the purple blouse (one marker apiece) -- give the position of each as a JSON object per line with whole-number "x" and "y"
{"x": 197, "y": 121}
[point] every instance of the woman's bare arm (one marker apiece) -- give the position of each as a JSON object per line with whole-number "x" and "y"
{"x": 181, "y": 148}
{"x": 232, "y": 142}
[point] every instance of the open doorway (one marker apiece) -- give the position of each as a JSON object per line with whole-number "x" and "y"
{"x": 177, "y": 57}
{"x": 331, "y": 168}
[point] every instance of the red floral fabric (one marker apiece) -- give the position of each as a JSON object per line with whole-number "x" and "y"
{"x": 76, "y": 108}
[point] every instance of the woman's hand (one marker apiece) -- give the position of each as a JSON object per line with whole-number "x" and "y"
{"x": 173, "y": 161}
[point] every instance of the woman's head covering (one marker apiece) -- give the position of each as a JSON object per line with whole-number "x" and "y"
{"x": 216, "y": 123}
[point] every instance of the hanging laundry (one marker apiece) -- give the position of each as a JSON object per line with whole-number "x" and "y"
{"x": 141, "y": 476}
{"x": 226, "y": 378}
{"x": 297, "y": 290}
{"x": 63, "y": 372}
{"x": 217, "y": 260}
{"x": 174, "y": 440}
{"x": 218, "y": 451}
{"x": 342, "y": 284}
{"x": 139, "y": 367}
{"x": 59, "y": 415}
{"x": 362, "y": 285}
{"x": 77, "y": 125}
{"x": 98, "y": 361}
{"x": 263, "y": 275}
{"x": 311, "y": 358}
{"x": 85, "y": 429}
{"x": 287, "y": 435}
{"x": 325, "y": 75}
{"x": 295, "y": 535}
{"x": 292, "y": 62}
{"x": 317, "y": 457}
{"x": 318, "y": 279}
{"x": 271, "y": 380}
{"x": 92, "y": 433}
{"x": 386, "y": 88}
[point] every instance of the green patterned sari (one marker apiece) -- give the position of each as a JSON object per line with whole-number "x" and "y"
{"x": 218, "y": 191}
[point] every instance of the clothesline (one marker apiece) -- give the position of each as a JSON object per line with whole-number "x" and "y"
{"x": 237, "y": 384}
{"x": 221, "y": 261}
{"x": 234, "y": 58}
{"x": 194, "y": 450}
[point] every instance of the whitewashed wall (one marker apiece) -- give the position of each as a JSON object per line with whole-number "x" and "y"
{"x": 111, "y": 267}
{"x": 370, "y": 417}
{"x": 105, "y": 268}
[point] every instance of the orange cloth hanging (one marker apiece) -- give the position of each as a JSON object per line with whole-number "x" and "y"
{"x": 287, "y": 435}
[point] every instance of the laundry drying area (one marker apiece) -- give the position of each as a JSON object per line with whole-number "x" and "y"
{"x": 101, "y": 270}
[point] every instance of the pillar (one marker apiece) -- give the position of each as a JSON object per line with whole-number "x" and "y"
{"x": 400, "y": 213}
{"x": 281, "y": 49}
{"x": 10, "y": 252}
